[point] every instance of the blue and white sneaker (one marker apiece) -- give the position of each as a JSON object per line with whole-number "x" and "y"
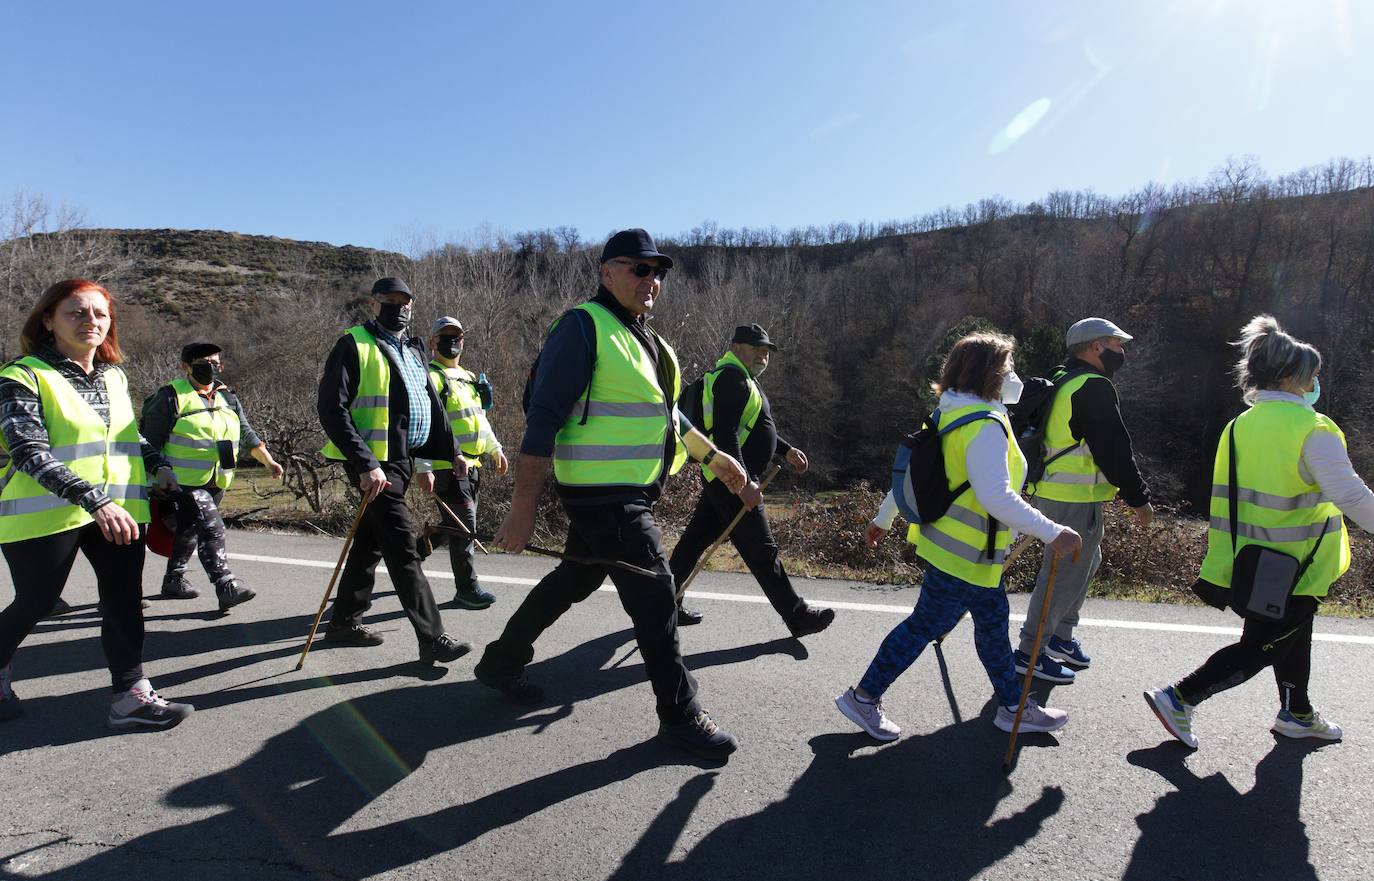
{"x": 1314, "y": 726}
{"x": 1175, "y": 715}
{"x": 1069, "y": 652}
{"x": 1046, "y": 668}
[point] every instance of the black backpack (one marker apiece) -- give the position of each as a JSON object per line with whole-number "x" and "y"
{"x": 1031, "y": 415}
{"x": 590, "y": 338}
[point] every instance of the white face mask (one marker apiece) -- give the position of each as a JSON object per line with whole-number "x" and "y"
{"x": 1012, "y": 386}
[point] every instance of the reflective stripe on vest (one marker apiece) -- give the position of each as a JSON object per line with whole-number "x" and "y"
{"x": 199, "y": 425}
{"x": 370, "y": 409}
{"x": 752, "y": 407}
{"x": 107, "y": 456}
{"x": 628, "y": 418}
{"x": 1074, "y": 476}
{"x": 957, "y": 543}
{"x": 1275, "y": 507}
{"x": 466, "y": 417}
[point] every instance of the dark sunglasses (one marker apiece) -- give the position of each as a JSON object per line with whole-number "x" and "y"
{"x": 644, "y": 270}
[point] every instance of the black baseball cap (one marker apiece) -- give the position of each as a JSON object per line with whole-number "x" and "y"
{"x": 192, "y": 351}
{"x": 753, "y": 335}
{"x": 390, "y": 284}
{"x": 633, "y": 243}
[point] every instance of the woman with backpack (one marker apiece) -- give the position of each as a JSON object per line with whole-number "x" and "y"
{"x": 1281, "y": 482}
{"x": 965, "y": 550}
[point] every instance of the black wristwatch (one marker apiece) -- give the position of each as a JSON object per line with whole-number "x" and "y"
{"x": 711, "y": 454}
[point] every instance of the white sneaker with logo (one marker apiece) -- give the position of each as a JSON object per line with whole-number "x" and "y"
{"x": 1290, "y": 725}
{"x": 868, "y": 716}
{"x": 1035, "y": 717}
{"x": 141, "y": 707}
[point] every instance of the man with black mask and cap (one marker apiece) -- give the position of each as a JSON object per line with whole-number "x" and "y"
{"x": 198, "y": 423}
{"x": 1089, "y": 460}
{"x": 379, "y": 412}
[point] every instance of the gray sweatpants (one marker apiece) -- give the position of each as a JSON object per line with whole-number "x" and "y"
{"x": 1071, "y": 581}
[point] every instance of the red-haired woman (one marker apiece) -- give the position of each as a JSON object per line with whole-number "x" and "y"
{"x": 73, "y": 478}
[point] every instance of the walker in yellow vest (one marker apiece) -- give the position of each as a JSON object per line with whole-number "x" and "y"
{"x": 958, "y": 542}
{"x": 1073, "y": 475}
{"x": 457, "y": 390}
{"x": 369, "y": 407}
{"x": 107, "y": 456}
{"x": 618, "y": 437}
{"x": 752, "y": 407}
{"x": 198, "y": 428}
{"x": 1277, "y": 509}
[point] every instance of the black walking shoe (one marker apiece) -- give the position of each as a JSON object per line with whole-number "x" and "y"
{"x": 61, "y": 607}
{"x": 10, "y": 708}
{"x": 178, "y": 589}
{"x": 353, "y": 634}
{"x": 810, "y": 620}
{"x": 517, "y": 689}
{"x": 232, "y": 593}
{"x": 443, "y": 649}
{"x": 699, "y": 736}
{"x": 687, "y": 617}
{"x": 475, "y": 599}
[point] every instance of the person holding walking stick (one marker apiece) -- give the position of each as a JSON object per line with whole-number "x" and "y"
{"x": 966, "y": 549}
{"x": 380, "y": 411}
{"x": 735, "y": 415}
{"x": 1281, "y": 481}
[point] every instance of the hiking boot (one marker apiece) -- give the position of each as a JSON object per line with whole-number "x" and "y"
{"x": 1300, "y": 726}
{"x": 1175, "y": 715}
{"x": 1046, "y": 668}
{"x": 443, "y": 649}
{"x": 1068, "y": 652}
{"x": 10, "y": 708}
{"x": 61, "y": 607}
{"x": 810, "y": 620}
{"x": 687, "y": 617}
{"x": 476, "y": 598}
{"x": 1034, "y": 718}
{"x": 699, "y": 736}
{"x": 867, "y": 715}
{"x": 232, "y": 593}
{"x": 354, "y": 635}
{"x": 178, "y": 589}
{"x": 517, "y": 689}
{"x": 141, "y": 707}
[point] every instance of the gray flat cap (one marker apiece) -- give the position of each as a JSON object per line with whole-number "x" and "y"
{"x": 1090, "y": 329}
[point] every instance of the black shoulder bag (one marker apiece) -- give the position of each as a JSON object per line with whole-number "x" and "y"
{"x": 1262, "y": 579}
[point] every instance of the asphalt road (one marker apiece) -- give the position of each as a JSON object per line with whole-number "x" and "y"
{"x": 365, "y": 765}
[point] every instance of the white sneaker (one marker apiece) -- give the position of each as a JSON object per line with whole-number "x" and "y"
{"x": 1175, "y": 715}
{"x": 141, "y": 707}
{"x": 1035, "y": 718}
{"x": 868, "y": 716}
{"x": 1290, "y": 726}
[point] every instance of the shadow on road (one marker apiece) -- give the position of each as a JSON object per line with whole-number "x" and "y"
{"x": 1208, "y": 829}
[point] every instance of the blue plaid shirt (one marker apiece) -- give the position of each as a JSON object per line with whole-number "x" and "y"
{"x": 416, "y": 378}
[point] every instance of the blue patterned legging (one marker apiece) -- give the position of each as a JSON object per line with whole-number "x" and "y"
{"x": 943, "y": 600}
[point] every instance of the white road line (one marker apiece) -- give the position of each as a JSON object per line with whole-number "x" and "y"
{"x": 1346, "y": 638}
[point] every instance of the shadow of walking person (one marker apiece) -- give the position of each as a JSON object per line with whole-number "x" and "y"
{"x": 920, "y": 808}
{"x": 1207, "y": 828}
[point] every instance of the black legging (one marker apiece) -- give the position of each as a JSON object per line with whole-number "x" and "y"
{"x": 39, "y": 568}
{"x": 1285, "y": 645}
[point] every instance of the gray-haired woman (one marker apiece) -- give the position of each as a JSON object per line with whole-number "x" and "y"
{"x": 1294, "y": 481}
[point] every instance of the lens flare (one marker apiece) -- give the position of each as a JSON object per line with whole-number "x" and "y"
{"x": 1020, "y": 125}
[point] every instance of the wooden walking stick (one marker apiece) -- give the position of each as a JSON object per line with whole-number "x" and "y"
{"x": 449, "y": 511}
{"x": 329, "y": 591}
{"x": 1030, "y": 667}
{"x": 701, "y": 564}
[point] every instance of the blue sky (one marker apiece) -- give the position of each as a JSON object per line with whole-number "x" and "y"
{"x": 358, "y": 123}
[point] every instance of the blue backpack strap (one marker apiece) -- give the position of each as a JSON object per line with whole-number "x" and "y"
{"x": 967, "y": 418}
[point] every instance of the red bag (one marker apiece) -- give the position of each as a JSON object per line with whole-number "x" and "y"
{"x": 163, "y": 527}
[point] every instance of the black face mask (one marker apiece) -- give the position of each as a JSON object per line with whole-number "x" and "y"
{"x": 1112, "y": 360}
{"x": 394, "y": 317}
{"x": 450, "y": 346}
{"x": 204, "y": 372}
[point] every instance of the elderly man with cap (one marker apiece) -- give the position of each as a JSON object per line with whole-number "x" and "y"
{"x": 380, "y": 411}
{"x": 733, "y": 412}
{"x": 603, "y": 408}
{"x": 456, "y": 483}
{"x": 1088, "y": 460}
{"x": 199, "y": 425}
